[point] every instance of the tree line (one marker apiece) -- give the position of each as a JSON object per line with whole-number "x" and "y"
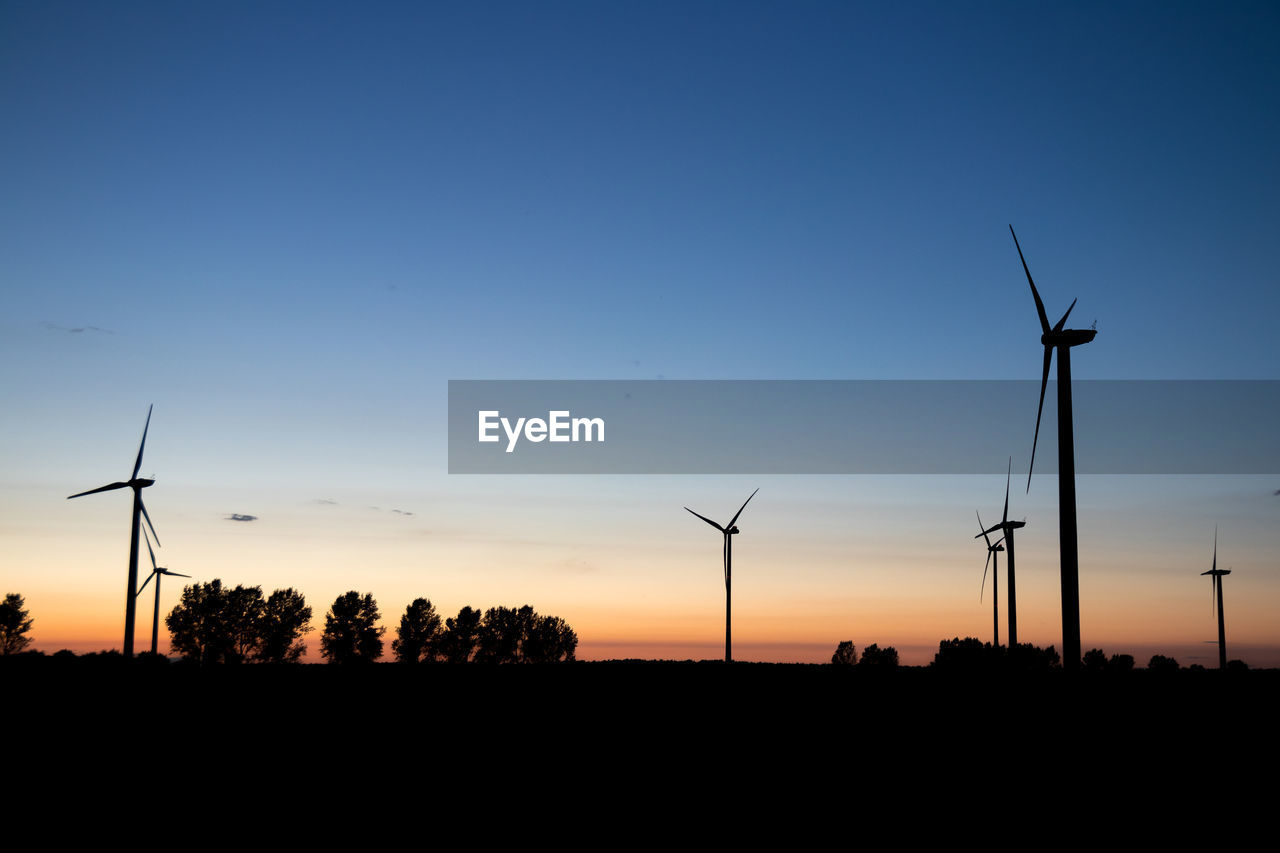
{"x": 215, "y": 624}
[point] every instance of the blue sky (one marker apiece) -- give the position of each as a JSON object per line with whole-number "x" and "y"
{"x": 295, "y": 224}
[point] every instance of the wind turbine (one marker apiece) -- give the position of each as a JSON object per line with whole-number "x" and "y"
{"x": 992, "y": 551}
{"x": 156, "y": 572}
{"x": 139, "y": 511}
{"x": 1215, "y": 578}
{"x": 1062, "y": 340}
{"x": 728, "y": 530}
{"x": 1008, "y": 527}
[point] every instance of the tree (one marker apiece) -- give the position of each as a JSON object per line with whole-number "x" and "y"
{"x": 549, "y": 640}
{"x": 1094, "y": 660}
{"x": 873, "y": 655}
{"x": 458, "y": 643}
{"x": 285, "y": 618}
{"x": 1160, "y": 663}
{"x": 213, "y": 624}
{"x": 1120, "y": 663}
{"x": 351, "y": 633}
{"x": 502, "y": 633}
{"x": 846, "y": 654}
{"x": 418, "y": 637}
{"x": 210, "y": 623}
{"x": 242, "y": 610}
{"x": 14, "y": 625}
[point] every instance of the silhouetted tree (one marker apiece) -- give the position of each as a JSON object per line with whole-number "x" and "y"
{"x": 549, "y": 640}
{"x": 419, "y": 633}
{"x": 1120, "y": 663}
{"x": 15, "y": 622}
{"x": 1160, "y": 663}
{"x": 502, "y": 633}
{"x": 846, "y": 654}
{"x": 875, "y": 656}
{"x": 284, "y": 619}
{"x": 458, "y": 642}
{"x": 1237, "y": 665}
{"x": 351, "y": 633}
{"x": 241, "y": 618}
{"x": 969, "y": 653}
{"x": 1094, "y": 660}
{"x": 1028, "y": 658}
{"x": 212, "y": 624}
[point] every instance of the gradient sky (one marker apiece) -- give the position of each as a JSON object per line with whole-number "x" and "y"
{"x": 287, "y": 227}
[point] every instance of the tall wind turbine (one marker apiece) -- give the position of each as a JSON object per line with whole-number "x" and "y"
{"x": 992, "y": 551}
{"x": 1008, "y": 527}
{"x": 728, "y": 530}
{"x": 1215, "y": 578}
{"x": 139, "y": 511}
{"x": 1062, "y": 340}
{"x": 156, "y": 572}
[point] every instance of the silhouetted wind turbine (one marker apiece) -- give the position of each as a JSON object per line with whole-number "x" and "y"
{"x": 139, "y": 511}
{"x": 1062, "y": 340}
{"x": 728, "y": 530}
{"x": 992, "y": 551}
{"x": 1008, "y": 527}
{"x": 156, "y": 572}
{"x": 1215, "y": 579}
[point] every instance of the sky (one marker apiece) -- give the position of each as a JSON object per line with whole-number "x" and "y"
{"x": 287, "y": 228}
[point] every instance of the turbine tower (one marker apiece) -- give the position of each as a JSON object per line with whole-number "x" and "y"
{"x": 1008, "y": 527}
{"x": 728, "y": 530}
{"x": 156, "y": 572}
{"x": 1215, "y": 578}
{"x": 992, "y": 551}
{"x": 139, "y": 511}
{"x": 1062, "y": 340}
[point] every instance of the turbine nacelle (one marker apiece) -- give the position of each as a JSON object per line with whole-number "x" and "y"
{"x": 1068, "y": 337}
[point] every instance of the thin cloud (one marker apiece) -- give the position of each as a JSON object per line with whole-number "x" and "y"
{"x": 326, "y": 501}
{"x": 54, "y": 327}
{"x": 401, "y": 512}
{"x": 236, "y": 516}
{"x": 1277, "y": 492}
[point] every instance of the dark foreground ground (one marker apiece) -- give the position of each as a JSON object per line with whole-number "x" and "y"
{"x": 592, "y": 731}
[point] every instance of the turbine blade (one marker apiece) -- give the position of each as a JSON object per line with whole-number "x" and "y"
{"x": 1007, "y": 475}
{"x": 99, "y": 489}
{"x": 1044, "y": 320}
{"x": 709, "y": 521}
{"x": 138, "y": 464}
{"x": 147, "y": 539}
{"x": 175, "y": 574}
{"x": 144, "y": 584}
{"x": 1062, "y": 322}
{"x": 148, "y": 518}
{"x": 1215, "y": 547}
{"x": 984, "y": 533}
{"x": 741, "y": 508}
{"x": 985, "y": 566}
{"x": 1044, "y": 383}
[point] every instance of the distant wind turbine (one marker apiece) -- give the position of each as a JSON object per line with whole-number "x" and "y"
{"x": 992, "y": 551}
{"x": 139, "y": 511}
{"x": 156, "y": 572}
{"x": 1008, "y": 527}
{"x": 1062, "y": 340}
{"x": 728, "y": 530}
{"x": 1215, "y": 579}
